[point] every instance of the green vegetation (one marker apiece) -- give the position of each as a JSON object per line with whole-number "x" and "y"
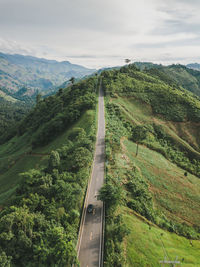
{"x": 178, "y": 76}
{"x": 56, "y": 113}
{"x": 147, "y": 245}
{"x": 158, "y": 182}
{"x": 175, "y": 194}
{"x": 152, "y": 172}
{"x": 165, "y": 100}
{"x": 15, "y": 155}
{"x": 11, "y": 112}
{"x": 39, "y": 224}
{"x": 157, "y": 139}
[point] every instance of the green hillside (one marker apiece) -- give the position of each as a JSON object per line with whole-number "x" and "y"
{"x": 175, "y": 75}
{"x": 44, "y": 171}
{"x": 13, "y": 108}
{"x": 152, "y": 184}
{"x": 153, "y": 169}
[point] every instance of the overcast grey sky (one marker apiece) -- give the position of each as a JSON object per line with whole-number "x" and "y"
{"x": 98, "y": 33}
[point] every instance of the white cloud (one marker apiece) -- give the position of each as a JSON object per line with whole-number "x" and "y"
{"x": 106, "y": 31}
{"x": 11, "y": 46}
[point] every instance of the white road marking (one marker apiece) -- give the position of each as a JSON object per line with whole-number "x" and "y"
{"x": 91, "y": 235}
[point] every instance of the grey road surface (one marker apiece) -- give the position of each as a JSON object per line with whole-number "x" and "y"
{"x": 90, "y": 243}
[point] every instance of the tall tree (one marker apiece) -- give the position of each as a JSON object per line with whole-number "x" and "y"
{"x": 111, "y": 194}
{"x": 54, "y": 160}
{"x": 139, "y": 134}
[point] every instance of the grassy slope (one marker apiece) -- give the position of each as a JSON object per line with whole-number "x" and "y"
{"x": 147, "y": 245}
{"x": 187, "y": 78}
{"x": 174, "y": 194}
{"x": 13, "y": 155}
{"x": 7, "y": 97}
{"x": 186, "y": 133}
{"x": 178, "y": 75}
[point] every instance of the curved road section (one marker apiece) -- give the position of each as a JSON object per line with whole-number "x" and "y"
{"x": 91, "y": 230}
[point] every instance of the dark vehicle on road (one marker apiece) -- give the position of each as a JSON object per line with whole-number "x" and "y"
{"x": 90, "y": 208}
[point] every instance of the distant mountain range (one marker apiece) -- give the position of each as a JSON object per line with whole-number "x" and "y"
{"x": 194, "y": 66}
{"x": 17, "y": 71}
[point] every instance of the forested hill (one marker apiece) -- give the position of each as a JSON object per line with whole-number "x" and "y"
{"x": 10, "y": 114}
{"x": 152, "y": 169}
{"x": 13, "y": 108}
{"x": 152, "y": 172}
{"x": 44, "y": 171}
{"x": 17, "y": 71}
{"x": 177, "y": 75}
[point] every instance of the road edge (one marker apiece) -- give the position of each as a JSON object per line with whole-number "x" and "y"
{"x": 88, "y": 187}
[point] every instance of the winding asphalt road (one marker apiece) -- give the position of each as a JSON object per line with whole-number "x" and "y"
{"x": 91, "y": 233}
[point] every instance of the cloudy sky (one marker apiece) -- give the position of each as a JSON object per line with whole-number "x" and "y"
{"x": 97, "y": 33}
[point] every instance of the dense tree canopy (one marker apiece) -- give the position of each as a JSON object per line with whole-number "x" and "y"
{"x": 40, "y": 226}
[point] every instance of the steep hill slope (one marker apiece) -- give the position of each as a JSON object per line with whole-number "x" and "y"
{"x": 40, "y": 209}
{"x": 17, "y": 71}
{"x": 153, "y": 170}
{"x": 177, "y": 75}
{"x": 13, "y": 108}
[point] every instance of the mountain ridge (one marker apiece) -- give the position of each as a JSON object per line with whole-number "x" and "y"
{"x": 194, "y": 66}
{"x": 17, "y": 71}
